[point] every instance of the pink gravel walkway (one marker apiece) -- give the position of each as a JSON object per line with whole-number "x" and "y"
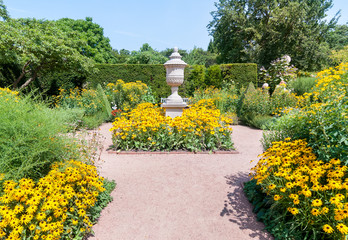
{"x": 180, "y": 196}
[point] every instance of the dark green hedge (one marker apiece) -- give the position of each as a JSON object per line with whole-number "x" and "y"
{"x": 240, "y": 73}
{"x": 195, "y": 76}
{"x": 153, "y": 75}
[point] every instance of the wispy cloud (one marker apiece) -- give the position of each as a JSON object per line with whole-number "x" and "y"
{"x": 19, "y": 10}
{"x": 129, "y": 34}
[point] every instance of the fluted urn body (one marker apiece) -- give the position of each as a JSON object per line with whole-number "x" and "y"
{"x": 174, "y": 77}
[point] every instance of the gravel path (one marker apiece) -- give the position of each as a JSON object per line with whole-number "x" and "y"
{"x": 180, "y": 196}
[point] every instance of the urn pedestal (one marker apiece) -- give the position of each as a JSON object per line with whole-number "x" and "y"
{"x": 174, "y": 104}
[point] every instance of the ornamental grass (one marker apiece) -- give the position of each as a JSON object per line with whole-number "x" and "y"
{"x": 201, "y": 127}
{"x": 58, "y": 206}
{"x": 312, "y": 191}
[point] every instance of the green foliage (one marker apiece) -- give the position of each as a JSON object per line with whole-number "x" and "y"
{"x": 224, "y": 99}
{"x": 280, "y": 70}
{"x": 106, "y": 104}
{"x": 339, "y": 56}
{"x": 98, "y": 46}
{"x": 39, "y": 46}
{"x": 153, "y": 76}
{"x": 94, "y": 104}
{"x": 240, "y": 74}
{"x": 302, "y": 85}
{"x": 338, "y": 37}
{"x": 197, "y": 56}
{"x": 195, "y": 79}
{"x": 103, "y": 199}
{"x": 282, "y": 99}
{"x": 213, "y": 76}
{"x": 146, "y": 55}
{"x": 126, "y": 96}
{"x": 31, "y": 136}
{"x": 253, "y": 102}
{"x": 277, "y": 222}
{"x": 323, "y": 123}
{"x": 3, "y": 11}
{"x": 254, "y": 31}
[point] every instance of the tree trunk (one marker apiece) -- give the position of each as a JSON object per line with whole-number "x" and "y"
{"x": 14, "y": 85}
{"x": 29, "y": 81}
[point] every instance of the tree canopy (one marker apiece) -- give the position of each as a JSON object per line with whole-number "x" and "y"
{"x": 3, "y": 11}
{"x": 39, "y": 47}
{"x": 263, "y": 30}
{"x": 98, "y": 46}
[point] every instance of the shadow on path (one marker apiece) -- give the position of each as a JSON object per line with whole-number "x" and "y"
{"x": 239, "y": 210}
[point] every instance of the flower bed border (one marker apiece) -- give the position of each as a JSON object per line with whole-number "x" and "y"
{"x": 171, "y": 152}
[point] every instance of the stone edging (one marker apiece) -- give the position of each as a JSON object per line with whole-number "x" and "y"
{"x": 171, "y": 152}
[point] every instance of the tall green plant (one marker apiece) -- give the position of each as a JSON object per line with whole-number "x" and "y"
{"x": 31, "y": 136}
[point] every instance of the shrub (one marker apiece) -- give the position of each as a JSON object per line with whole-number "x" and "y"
{"x": 126, "y": 96}
{"x": 194, "y": 80}
{"x": 31, "y": 136}
{"x": 310, "y": 192}
{"x": 58, "y": 206}
{"x": 200, "y": 127}
{"x": 253, "y": 102}
{"x": 323, "y": 122}
{"x": 280, "y": 70}
{"x": 225, "y": 99}
{"x": 282, "y": 100}
{"x": 96, "y": 109}
{"x": 153, "y": 75}
{"x": 239, "y": 74}
{"x": 302, "y": 85}
{"x": 213, "y": 76}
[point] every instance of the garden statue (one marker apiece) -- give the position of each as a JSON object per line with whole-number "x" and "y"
{"x": 174, "y": 104}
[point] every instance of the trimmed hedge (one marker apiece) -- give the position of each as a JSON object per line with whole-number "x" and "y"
{"x": 240, "y": 73}
{"x": 153, "y": 75}
{"x": 195, "y": 76}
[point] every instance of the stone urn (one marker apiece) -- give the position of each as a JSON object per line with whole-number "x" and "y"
{"x": 175, "y": 67}
{"x": 175, "y": 75}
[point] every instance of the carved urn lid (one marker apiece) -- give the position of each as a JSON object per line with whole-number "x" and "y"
{"x": 175, "y": 59}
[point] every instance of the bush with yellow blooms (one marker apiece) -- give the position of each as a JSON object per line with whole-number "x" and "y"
{"x": 201, "y": 127}
{"x": 312, "y": 191}
{"x": 58, "y": 206}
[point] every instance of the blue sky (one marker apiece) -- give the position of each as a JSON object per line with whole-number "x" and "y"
{"x": 130, "y": 23}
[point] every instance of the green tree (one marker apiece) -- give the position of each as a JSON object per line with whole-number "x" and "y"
{"x": 146, "y": 55}
{"x": 98, "y": 46}
{"x": 338, "y": 37}
{"x": 40, "y": 47}
{"x": 167, "y": 52}
{"x": 198, "y": 56}
{"x": 262, "y": 30}
{"x": 3, "y": 11}
{"x": 121, "y": 56}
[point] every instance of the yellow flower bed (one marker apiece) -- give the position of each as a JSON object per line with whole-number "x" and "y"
{"x": 126, "y": 96}
{"x": 56, "y": 207}
{"x": 313, "y": 191}
{"x": 200, "y": 127}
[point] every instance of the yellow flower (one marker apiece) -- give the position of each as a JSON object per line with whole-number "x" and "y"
{"x": 317, "y": 203}
{"x": 277, "y": 197}
{"x": 342, "y": 228}
{"x": 328, "y": 229}
{"x": 315, "y": 212}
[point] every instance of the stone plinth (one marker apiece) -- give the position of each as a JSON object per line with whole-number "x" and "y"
{"x": 174, "y": 109}
{"x": 174, "y": 104}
